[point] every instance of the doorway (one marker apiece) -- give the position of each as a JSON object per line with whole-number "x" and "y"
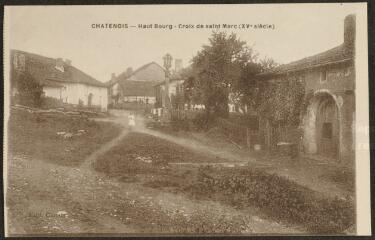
{"x": 327, "y": 127}
{"x": 89, "y": 100}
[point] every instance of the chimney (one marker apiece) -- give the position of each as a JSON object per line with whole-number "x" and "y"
{"x": 60, "y": 64}
{"x": 68, "y": 62}
{"x": 349, "y": 33}
{"x": 113, "y": 76}
{"x": 178, "y": 65}
{"x": 129, "y": 71}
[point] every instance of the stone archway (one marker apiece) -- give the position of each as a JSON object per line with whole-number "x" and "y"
{"x": 322, "y": 126}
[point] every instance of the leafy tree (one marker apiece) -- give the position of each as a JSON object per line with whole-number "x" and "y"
{"x": 268, "y": 64}
{"x": 216, "y": 68}
{"x": 246, "y": 91}
{"x": 29, "y": 90}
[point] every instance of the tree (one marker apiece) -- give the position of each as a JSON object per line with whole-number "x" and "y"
{"x": 216, "y": 68}
{"x": 268, "y": 64}
{"x": 247, "y": 90}
{"x": 29, "y": 91}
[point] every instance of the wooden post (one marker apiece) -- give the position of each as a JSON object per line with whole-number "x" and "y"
{"x": 269, "y": 132}
{"x": 248, "y": 138}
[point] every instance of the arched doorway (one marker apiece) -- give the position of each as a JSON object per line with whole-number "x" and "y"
{"x": 327, "y": 128}
{"x": 322, "y": 126}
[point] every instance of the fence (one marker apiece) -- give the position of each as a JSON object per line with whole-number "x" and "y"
{"x": 238, "y": 134}
{"x": 178, "y": 114}
{"x": 290, "y": 134}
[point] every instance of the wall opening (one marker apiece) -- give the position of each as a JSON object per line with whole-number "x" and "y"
{"x": 322, "y": 126}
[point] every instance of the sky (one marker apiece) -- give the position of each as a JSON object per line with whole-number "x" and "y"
{"x": 300, "y": 30}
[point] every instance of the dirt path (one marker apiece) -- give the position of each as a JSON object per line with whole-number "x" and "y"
{"x": 104, "y": 148}
{"x": 305, "y": 172}
{"x": 118, "y": 117}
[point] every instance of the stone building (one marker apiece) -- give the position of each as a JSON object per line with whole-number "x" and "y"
{"x": 328, "y": 120}
{"x": 59, "y": 80}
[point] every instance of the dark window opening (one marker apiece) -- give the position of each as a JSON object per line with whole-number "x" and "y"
{"x": 323, "y": 76}
{"x": 327, "y": 130}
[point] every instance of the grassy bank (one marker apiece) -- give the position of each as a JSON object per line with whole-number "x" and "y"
{"x": 59, "y": 139}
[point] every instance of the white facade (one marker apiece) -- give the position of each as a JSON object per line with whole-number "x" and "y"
{"x": 53, "y": 92}
{"x": 142, "y": 99}
{"x": 173, "y": 85}
{"x": 74, "y": 93}
{"x": 115, "y": 89}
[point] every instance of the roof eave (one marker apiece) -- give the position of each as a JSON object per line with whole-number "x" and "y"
{"x": 269, "y": 74}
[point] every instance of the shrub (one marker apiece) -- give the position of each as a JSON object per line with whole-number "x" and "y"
{"x": 200, "y": 121}
{"x": 279, "y": 198}
{"x": 49, "y": 102}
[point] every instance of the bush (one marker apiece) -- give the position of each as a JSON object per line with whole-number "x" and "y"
{"x": 200, "y": 121}
{"x": 49, "y": 102}
{"x": 182, "y": 124}
{"x": 279, "y": 198}
{"x": 29, "y": 90}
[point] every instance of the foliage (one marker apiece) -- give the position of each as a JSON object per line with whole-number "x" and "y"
{"x": 200, "y": 121}
{"x": 29, "y": 91}
{"x": 280, "y": 102}
{"x": 268, "y": 64}
{"x": 278, "y": 197}
{"x": 50, "y": 102}
{"x": 244, "y": 90}
{"x": 216, "y": 68}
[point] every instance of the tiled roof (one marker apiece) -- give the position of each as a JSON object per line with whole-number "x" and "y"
{"x": 124, "y": 76}
{"x": 137, "y": 88}
{"x": 44, "y": 71}
{"x": 49, "y": 83}
{"x": 333, "y": 55}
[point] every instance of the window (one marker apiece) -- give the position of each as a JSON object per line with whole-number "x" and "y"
{"x": 327, "y": 130}
{"x": 323, "y": 76}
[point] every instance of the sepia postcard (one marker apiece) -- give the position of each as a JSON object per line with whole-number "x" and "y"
{"x": 175, "y": 120}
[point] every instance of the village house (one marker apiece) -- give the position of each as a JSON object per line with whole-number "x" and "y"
{"x": 135, "y": 86}
{"x": 176, "y": 88}
{"x": 59, "y": 80}
{"x": 176, "y": 98}
{"x": 328, "y": 121}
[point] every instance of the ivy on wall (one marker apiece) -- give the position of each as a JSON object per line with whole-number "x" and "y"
{"x": 281, "y": 102}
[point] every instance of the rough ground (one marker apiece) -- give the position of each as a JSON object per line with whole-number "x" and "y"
{"x": 48, "y": 198}
{"x": 91, "y": 203}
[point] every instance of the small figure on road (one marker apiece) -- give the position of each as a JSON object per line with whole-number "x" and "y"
{"x": 131, "y": 121}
